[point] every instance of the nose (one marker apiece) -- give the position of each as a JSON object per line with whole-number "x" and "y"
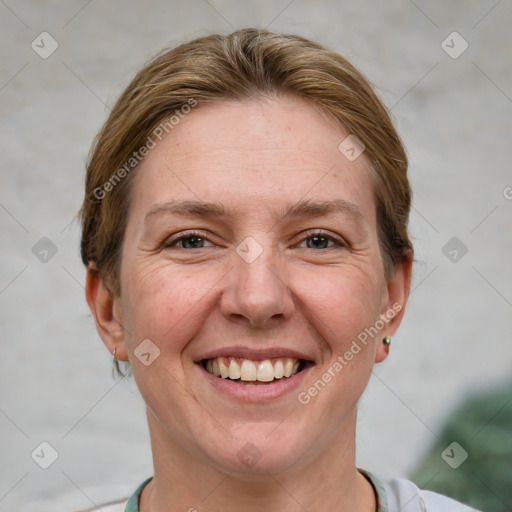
{"x": 257, "y": 293}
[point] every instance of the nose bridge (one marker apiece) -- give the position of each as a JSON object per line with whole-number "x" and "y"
{"x": 258, "y": 289}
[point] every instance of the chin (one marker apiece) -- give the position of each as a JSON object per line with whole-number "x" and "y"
{"x": 254, "y": 451}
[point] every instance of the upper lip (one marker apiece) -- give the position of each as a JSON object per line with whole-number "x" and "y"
{"x": 254, "y": 354}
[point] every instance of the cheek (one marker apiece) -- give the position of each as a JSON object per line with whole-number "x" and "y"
{"x": 342, "y": 302}
{"x": 165, "y": 304}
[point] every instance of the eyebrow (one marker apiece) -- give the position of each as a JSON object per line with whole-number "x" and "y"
{"x": 304, "y": 208}
{"x": 189, "y": 208}
{"x": 312, "y": 208}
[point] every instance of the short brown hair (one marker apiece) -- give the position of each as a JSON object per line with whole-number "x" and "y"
{"x": 244, "y": 64}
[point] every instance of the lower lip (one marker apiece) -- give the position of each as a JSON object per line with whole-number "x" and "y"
{"x": 256, "y": 392}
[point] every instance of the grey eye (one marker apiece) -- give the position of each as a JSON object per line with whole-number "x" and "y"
{"x": 319, "y": 242}
{"x": 192, "y": 242}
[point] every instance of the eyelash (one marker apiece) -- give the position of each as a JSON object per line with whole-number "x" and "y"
{"x": 309, "y": 234}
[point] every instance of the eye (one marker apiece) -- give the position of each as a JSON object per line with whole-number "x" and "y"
{"x": 191, "y": 240}
{"x": 321, "y": 240}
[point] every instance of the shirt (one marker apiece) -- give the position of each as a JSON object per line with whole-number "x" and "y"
{"x": 397, "y": 495}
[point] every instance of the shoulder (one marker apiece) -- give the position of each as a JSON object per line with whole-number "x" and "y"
{"x": 130, "y": 504}
{"x": 405, "y": 496}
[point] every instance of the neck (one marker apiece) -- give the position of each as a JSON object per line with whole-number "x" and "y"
{"x": 330, "y": 481}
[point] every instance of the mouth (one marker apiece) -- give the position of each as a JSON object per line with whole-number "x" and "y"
{"x": 255, "y": 372}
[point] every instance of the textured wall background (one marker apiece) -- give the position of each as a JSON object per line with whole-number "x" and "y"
{"x": 453, "y": 107}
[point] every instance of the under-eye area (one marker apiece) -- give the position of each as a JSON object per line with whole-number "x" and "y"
{"x": 255, "y": 372}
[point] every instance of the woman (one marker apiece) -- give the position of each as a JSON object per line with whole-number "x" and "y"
{"x": 245, "y": 237}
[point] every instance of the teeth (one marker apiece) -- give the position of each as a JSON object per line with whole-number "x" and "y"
{"x": 288, "y": 368}
{"x": 279, "y": 370}
{"x": 265, "y": 371}
{"x": 224, "y": 372}
{"x": 248, "y": 371}
{"x": 252, "y": 371}
{"x": 234, "y": 370}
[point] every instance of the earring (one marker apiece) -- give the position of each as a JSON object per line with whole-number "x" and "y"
{"x": 115, "y": 365}
{"x": 386, "y": 341}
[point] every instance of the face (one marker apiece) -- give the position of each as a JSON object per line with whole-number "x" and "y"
{"x": 251, "y": 251}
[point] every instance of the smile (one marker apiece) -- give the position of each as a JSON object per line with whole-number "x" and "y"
{"x": 245, "y": 371}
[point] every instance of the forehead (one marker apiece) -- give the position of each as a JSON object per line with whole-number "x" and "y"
{"x": 267, "y": 151}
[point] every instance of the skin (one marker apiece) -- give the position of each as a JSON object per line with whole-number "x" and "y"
{"x": 257, "y": 158}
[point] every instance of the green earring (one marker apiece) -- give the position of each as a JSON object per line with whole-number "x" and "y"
{"x": 386, "y": 341}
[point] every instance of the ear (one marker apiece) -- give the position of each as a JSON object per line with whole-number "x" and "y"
{"x": 107, "y": 313}
{"x": 393, "y": 304}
